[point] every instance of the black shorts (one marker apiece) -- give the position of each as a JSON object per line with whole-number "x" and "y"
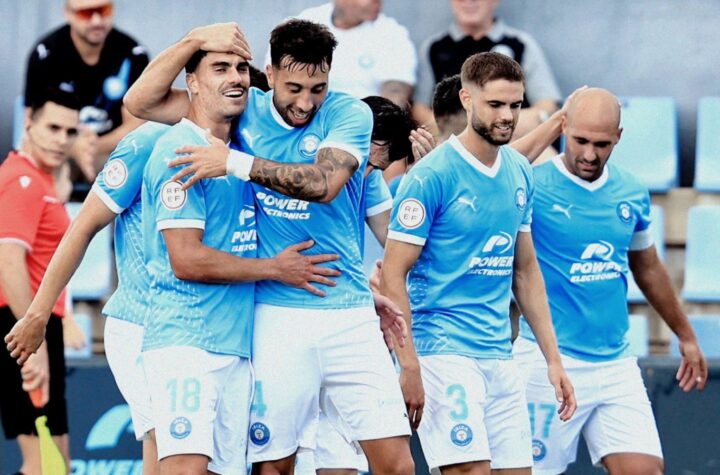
{"x": 17, "y": 412}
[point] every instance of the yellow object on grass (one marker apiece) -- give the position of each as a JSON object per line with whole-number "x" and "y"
{"x": 52, "y": 461}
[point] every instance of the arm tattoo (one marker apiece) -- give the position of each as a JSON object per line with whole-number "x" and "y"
{"x": 305, "y": 181}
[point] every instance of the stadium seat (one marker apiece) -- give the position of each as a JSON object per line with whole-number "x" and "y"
{"x": 649, "y": 145}
{"x": 707, "y": 329}
{"x": 84, "y": 321}
{"x": 637, "y": 335}
{"x": 702, "y": 255}
{"x": 707, "y": 150}
{"x": 93, "y": 278}
{"x": 657, "y": 217}
{"x": 18, "y": 121}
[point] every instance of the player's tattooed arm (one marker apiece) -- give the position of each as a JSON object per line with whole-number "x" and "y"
{"x": 320, "y": 181}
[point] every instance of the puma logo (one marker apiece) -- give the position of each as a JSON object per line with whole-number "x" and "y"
{"x": 250, "y": 139}
{"x": 560, "y": 209}
{"x": 470, "y": 203}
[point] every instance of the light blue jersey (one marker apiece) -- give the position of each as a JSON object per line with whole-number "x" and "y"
{"x": 341, "y": 122}
{"x": 118, "y": 186}
{"x": 376, "y": 199}
{"x": 467, "y": 217}
{"x": 215, "y": 317}
{"x": 583, "y": 232}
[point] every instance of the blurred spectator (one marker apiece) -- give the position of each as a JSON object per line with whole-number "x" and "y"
{"x": 32, "y": 222}
{"x": 98, "y": 63}
{"x": 476, "y": 29}
{"x": 374, "y": 56}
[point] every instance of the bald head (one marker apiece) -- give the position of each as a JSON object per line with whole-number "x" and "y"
{"x": 595, "y": 107}
{"x": 592, "y": 129}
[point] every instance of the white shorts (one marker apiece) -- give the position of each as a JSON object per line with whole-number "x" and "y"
{"x": 123, "y": 345}
{"x": 613, "y": 414}
{"x": 475, "y": 410}
{"x": 307, "y": 359}
{"x": 332, "y": 451}
{"x": 201, "y": 404}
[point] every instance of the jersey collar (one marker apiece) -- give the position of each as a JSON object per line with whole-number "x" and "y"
{"x": 490, "y": 172}
{"x": 588, "y": 185}
{"x": 197, "y": 129}
{"x": 275, "y": 114}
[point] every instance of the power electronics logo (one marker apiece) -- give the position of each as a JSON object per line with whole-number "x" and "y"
{"x": 596, "y": 263}
{"x": 282, "y": 207}
{"x": 496, "y": 259}
{"x": 105, "y": 435}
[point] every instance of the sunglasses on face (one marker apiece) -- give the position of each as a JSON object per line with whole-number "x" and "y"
{"x": 87, "y": 13}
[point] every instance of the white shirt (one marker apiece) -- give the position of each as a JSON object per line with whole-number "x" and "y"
{"x": 367, "y": 55}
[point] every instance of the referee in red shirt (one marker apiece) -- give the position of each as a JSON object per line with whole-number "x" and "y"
{"x": 32, "y": 222}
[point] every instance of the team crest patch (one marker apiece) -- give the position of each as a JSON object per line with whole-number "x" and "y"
{"x": 115, "y": 173}
{"x": 172, "y": 195}
{"x": 624, "y": 212}
{"x": 259, "y": 433}
{"x": 461, "y": 435}
{"x": 180, "y": 427}
{"x": 539, "y": 451}
{"x": 520, "y": 199}
{"x": 411, "y": 213}
{"x": 309, "y": 145}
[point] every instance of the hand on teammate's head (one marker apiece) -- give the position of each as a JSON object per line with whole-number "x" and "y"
{"x": 222, "y": 38}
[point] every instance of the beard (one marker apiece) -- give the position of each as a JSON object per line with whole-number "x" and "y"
{"x": 485, "y": 131}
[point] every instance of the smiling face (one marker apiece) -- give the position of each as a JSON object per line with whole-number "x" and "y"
{"x": 493, "y": 109}
{"x": 220, "y": 82}
{"x": 298, "y": 90}
{"x": 592, "y": 129}
{"x": 50, "y": 132}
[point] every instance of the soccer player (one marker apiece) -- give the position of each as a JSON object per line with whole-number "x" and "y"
{"x": 115, "y": 195}
{"x": 460, "y": 229}
{"x": 591, "y": 223}
{"x": 308, "y": 352}
{"x": 33, "y": 220}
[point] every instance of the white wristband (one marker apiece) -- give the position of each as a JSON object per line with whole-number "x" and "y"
{"x": 239, "y": 164}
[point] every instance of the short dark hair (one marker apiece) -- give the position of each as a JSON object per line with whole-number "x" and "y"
{"x": 391, "y": 123}
{"x": 194, "y": 60}
{"x": 481, "y": 68}
{"x": 258, "y": 79}
{"x": 301, "y": 43}
{"x": 446, "y": 98}
{"x": 56, "y": 96}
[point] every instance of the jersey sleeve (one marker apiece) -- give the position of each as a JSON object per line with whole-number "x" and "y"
{"x": 21, "y": 207}
{"x": 642, "y": 236}
{"x": 174, "y": 207}
{"x": 36, "y": 75}
{"x": 529, "y": 197}
{"x": 416, "y": 205}
{"x": 139, "y": 60}
{"x": 120, "y": 180}
{"x": 378, "y": 198}
{"x": 349, "y": 125}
